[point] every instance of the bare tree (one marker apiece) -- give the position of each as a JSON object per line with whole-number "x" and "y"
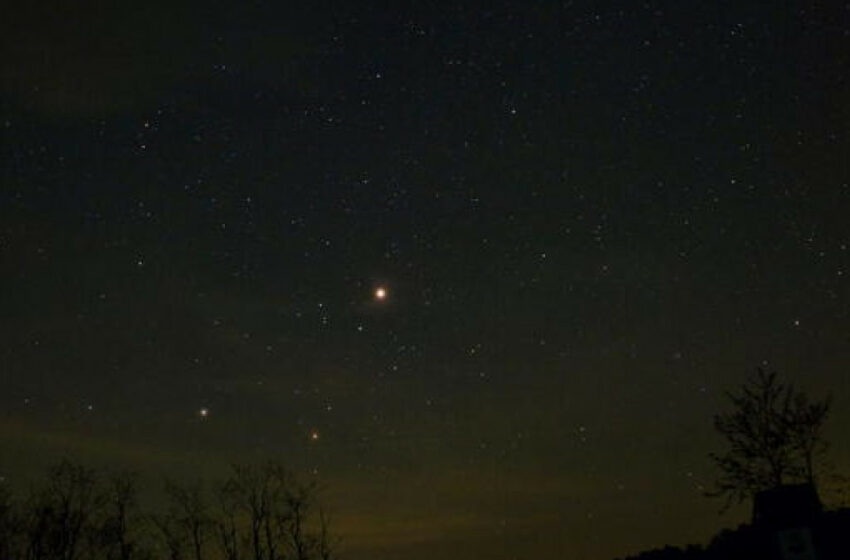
{"x": 10, "y": 525}
{"x": 251, "y": 488}
{"x": 226, "y": 522}
{"x": 188, "y": 516}
{"x": 805, "y": 424}
{"x": 326, "y": 543}
{"x": 60, "y": 520}
{"x": 171, "y": 534}
{"x": 773, "y": 435}
{"x": 261, "y": 513}
{"x": 271, "y": 510}
{"x": 121, "y": 522}
{"x": 258, "y": 494}
{"x": 300, "y": 541}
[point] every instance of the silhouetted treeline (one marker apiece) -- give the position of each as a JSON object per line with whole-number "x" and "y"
{"x": 77, "y": 513}
{"x": 692, "y": 552}
{"x": 774, "y": 444}
{"x": 830, "y": 539}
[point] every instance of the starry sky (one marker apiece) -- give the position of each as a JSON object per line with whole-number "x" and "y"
{"x": 587, "y": 221}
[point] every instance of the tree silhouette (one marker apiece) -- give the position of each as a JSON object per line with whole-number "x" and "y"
{"x": 170, "y": 533}
{"x": 273, "y": 509}
{"x": 121, "y": 522}
{"x": 805, "y": 423}
{"x": 773, "y": 436}
{"x": 326, "y": 544}
{"x": 187, "y": 519}
{"x": 226, "y": 522}
{"x": 256, "y": 513}
{"x": 60, "y": 516}
{"x": 256, "y": 494}
{"x": 10, "y": 524}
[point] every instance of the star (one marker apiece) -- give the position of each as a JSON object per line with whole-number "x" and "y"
{"x": 380, "y": 293}
{"x": 204, "y": 412}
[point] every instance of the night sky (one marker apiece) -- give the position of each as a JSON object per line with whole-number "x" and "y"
{"x": 588, "y": 220}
